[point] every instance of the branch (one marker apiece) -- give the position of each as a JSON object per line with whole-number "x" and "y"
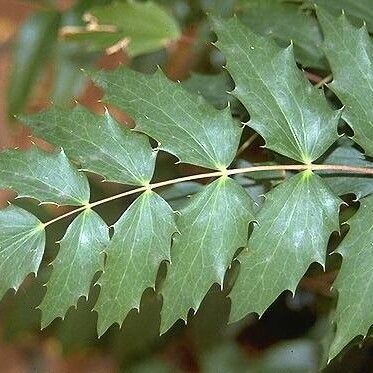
{"x": 301, "y": 167}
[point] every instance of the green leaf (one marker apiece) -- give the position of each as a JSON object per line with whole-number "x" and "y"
{"x": 141, "y": 241}
{"x": 354, "y": 314}
{"x": 48, "y": 177}
{"x": 182, "y": 122}
{"x": 99, "y": 143}
{"x": 22, "y": 242}
{"x": 212, "y": 227}
{"x": 350, "y": 53}
{"x": 69, "y": 60}
{"x": 291, "y": 115}
{"x": 292, "y": 231}
{"x": 222, "y": 8}
{"x": 177, "y": 195}
{"x": 79, "y": 258}
{"x": 346, "y": 154}
{"x": 69, "y": 82}
{"x": 33, "y": 47}
{"x": 356, "y": 10}
{"x": 284, "y": 22}
{"x": 146, "y": 27}
{"x": 214, "y": 88}
{"x": 261, "y": 175}
{"x": 258, "y": 183}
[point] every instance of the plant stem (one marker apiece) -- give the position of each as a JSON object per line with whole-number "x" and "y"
{"x": 247, "y": 143}
{"x": 300, "y": 167}
{"x": 324, "y": 81}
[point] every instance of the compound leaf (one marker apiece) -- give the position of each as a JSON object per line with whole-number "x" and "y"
{"x": 212, "y": 227}
{"x": 297, "y": 217}
{"x": 48, "y": 177}
{"x": 350, "y": 53}
{"x": 354, "y": 283}
{"x": 292, "y": 231}
{"x": 79, "y": 258}
{"x": 292, "y": 116}
{"x": 141, "y": 241}
{"x": 22, "y": 242}
{"x": 182, "y": 122}
{"x": 98, "y": 142}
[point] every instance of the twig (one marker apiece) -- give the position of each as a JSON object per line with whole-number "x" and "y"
{"x": 247, "y": 143}
{"x": 324, "y": 81}
{"x": 301, "y": 167}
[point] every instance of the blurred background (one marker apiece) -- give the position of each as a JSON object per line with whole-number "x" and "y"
{"x": 44, "y": 46}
